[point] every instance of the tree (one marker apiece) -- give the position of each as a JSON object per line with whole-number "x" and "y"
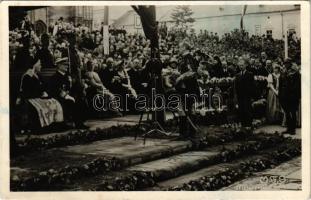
{"x": 182, "y": 16}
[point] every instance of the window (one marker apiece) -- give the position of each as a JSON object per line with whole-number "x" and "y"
{"x": 257, "y": 30}
{"x": 269, "y": 33}
{"x": 291, "y": 31}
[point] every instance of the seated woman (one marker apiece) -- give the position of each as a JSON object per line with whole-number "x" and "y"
{"x": 96, "y": 87}
{"x": 123, "y": 81}
{"x": 123, "y": 86}
{"x": 170, "y": 74}
{"x": 33, "y": 92}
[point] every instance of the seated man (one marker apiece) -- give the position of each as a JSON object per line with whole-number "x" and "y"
{"x": 138, "y": 77}
{"x": 106, "y": 75}
{"x": 60, "y": 86}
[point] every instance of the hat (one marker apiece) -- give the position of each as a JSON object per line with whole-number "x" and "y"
{"x": 198, "y": 51}
{"x": 136, "y": 60}
{"x": 118, "y": 63}
{"x": 186, "y": 53}
{"x": 288, "y": 61}
{"x": 109, "y": 60}
{"x": 276, "y": 66}
{"x": 173, "y": 60}
{"x": 62, "y": 61}
{"x": 203, "y": 63}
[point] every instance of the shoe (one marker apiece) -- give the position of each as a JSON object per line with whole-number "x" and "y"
{"x": 285, "y": 132}
{"x": 249, "y": 129}
{"x": 292, "y": 132}
{"x": 81, "y": 126}
{"x": 116, "y": 114}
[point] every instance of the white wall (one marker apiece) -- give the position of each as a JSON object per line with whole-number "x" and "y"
{"x": 211, "y": 18}
{"x": 271, "y": 21}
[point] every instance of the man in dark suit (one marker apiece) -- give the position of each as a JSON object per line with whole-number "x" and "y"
{"x": 244, "y": 89}
{"x": 139, "y": 77}
{"x": 290, "y": 94}
{"x": 60, "y": 86}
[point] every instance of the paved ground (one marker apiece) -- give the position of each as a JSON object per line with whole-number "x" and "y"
{"x": 286, "y": 176}
{"x": 274, "y": 128}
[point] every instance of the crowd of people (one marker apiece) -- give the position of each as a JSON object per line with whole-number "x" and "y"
{"x": 84, "y": 69}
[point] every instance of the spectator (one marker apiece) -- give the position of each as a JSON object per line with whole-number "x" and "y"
{"x": 44, "y": 54}
{"x": 244, "y": 85}
{"x": 290, "y": 94}
{"x": 274, "y": 111}
{"x": 60, "y": 87}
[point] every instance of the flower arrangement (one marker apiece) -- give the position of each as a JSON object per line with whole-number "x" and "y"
{"x": 77, "y": 137}
{"x": 241, "y": 170}
{"x": 138, "y": 180}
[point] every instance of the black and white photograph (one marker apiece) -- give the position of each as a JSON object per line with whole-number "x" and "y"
{"x": 156, "y": 97}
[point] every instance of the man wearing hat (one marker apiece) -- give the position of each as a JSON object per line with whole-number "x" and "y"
{"x": 60, "y": 87}
{"x": 290, "y": 94}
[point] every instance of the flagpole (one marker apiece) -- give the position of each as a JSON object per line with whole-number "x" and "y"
{"x": 286, "y": 45}
{"x": 106, "y": 31}
{"x": 242, "y": 16}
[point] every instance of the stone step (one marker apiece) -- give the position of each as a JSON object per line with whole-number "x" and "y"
{"x": 215, "y": 170}
{"x": 166, "y": 168}
{"x": 174, "y": 167}
{"x": 125, "y": 149}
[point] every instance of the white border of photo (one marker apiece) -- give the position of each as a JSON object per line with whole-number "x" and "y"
{"x": 4, "y": 113}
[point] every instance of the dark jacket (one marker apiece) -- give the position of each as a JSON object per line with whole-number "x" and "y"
{"x": 106, "y": 77}
{"x": 137, "y": 78}
{"x": 290, "y": 89}
{"x": 45, "y": 57}
{"x": 31, "y": 86}
{"x": 245, "y": 85}
{"x": 23, "y": 59}
{"x": 58, "y": 83}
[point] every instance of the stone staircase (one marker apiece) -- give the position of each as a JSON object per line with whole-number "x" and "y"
{"x": 123, "y": 163}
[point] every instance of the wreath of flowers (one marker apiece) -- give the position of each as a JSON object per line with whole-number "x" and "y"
{"x": 230, "y": 175}
{"x": 138, "y": 180}
{"x": 228, "y": 81}
{"x": 77, "y": 137}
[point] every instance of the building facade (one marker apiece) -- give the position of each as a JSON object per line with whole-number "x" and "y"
{"x": 43, "y": 17}
{"x": 258, "y": 20}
